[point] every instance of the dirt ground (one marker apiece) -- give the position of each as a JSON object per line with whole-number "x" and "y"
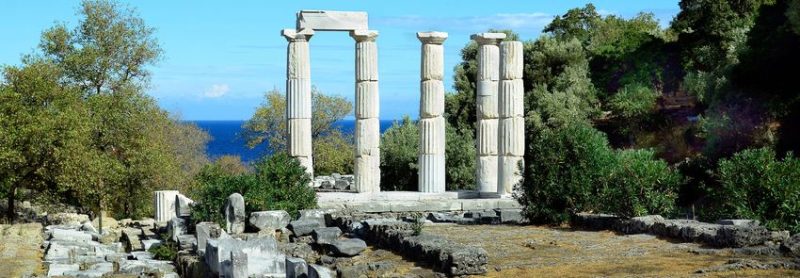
{"x": 20, "y": 255}
{"x": 532, "y": 251}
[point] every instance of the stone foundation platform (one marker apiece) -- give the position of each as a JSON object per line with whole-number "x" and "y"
{"x": 408, "y": 201}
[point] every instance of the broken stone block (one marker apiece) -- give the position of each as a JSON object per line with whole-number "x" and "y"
{"x": 130, "y": 237}
{"x": 792, "y": 245}
{"x": 641, "y": 224}
{"x": 56, "y": 269}
{"x": 326, "y": 235}
{"x": 183, "y": 205}
{"x": 739, "y": 222}
{"x": 315, "y": 214}
{"x": 348, "y": 247}
{"x": 303, "y": 227}
{"x": 176, "y": 227}
{"x": 269, "y": 220}
{"x": 741, "y": 236}
{"x": 318, "y": 271}
{"x": 510, "y": 216}
{"x": 296, "y": 268}
{"x": 234, "y": 214}
{"x": 66, "y": 218}
{"x": 205, "y": 231}
{"x": 150, "y": 243}
{"x": 237, "y": 266}
{"x": 187, "y": 242}
{"x": 70, "y": 235}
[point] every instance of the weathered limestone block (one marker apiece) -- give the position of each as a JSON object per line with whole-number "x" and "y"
{"x": 511, "y": 102}
{"x": 487, "y": 137}
{"x": 234, "y": 214}
{"x": 298, "y": 98}
{"x": 300, "y": 137}
{"x": 348, "y": 247}
{"x": 70, "y": 235}
{"x": 176, "y": 227}
{"x": 487, "y": 173}
{"x": 66, "y": 218}
{"x": 511, "y": 60}
{"x": 367, "y": 100}
{"x": 183, "y": 205}
{"x": 366, "y": 54}
{"x": 432, "y": 137}
{"x": 432, "y": 62}
{"x": 368, "y": 137}
{"x": 319, "y": 215}
{"x": 56, "y": 269}
{"x": 509, "y": 174}
{"x": 238, "y": 265}
{"x": 331, "y": 20}
{"x": 318, "y": 271}
{"x": 269, "y": 220}
{"x": 326, "y": 235}
{"x": 303, "y": 227}
{"x": 432, "y": 173}
{"x": 367, "y": 173}
{"x": 431, "y": 99}
{"x": 164, "y": 202}
{"x": 296, "y": 268}
{"x": 512, "y": 136}
{"x": 204, "y": 232}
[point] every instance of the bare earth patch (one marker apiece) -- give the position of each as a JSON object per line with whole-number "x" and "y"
{"x": 20, "y": 255}
{"x": 534, "y": 251}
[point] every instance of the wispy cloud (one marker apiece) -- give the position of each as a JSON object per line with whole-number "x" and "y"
{"x": 530, "y": 21}
{"x": 216, "y": 91}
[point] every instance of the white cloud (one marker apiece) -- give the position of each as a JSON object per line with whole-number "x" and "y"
{"x": 217, "y": 90}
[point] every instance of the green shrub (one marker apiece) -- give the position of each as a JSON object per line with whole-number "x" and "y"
{"x": 166, "y": 251}
{"x": 278, "y": 182}
{"x": 641, "y": 185}
{"x": 755, "y": 184}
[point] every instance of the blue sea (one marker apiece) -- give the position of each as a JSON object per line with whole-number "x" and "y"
{"x": 226, "y": 138}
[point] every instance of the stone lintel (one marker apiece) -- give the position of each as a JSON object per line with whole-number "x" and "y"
{"x": 332, "y": 20}
{"x": 432, "y": 37}
{"x": 364, "y": 35}
{"x": 293, "y": 35}
{"x": 488, "y": 38}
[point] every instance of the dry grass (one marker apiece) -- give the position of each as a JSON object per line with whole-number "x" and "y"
{"x": 20, "y": 254}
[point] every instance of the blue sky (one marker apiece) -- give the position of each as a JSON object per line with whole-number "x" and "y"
{"x": 221, "y": 56}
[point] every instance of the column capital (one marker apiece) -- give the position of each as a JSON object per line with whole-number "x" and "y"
{"x": 432, "y": 37}
{"x": 488, "y": 38}
{"x": 293, "y": 35}
{"x": 364, "y": 35}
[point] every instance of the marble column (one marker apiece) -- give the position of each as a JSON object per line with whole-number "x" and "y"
{"x": 164, "y": 203}
{"x": 298, "y": 97}
{"x": 368, "y": 160}
{"x": 487, "y": 114}
{"x": 512, "y": 121}
{"x": 431, "y": 159}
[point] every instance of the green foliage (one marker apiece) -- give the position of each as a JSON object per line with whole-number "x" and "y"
{"x": 633, "y": 102}
{"x": 641, "y": 185}
{"x": 418, "y": 224}
{"x": 268, "y": 126}
{"x": 400, "y": 152}
{"x": 755, "y": 184}
{"x": 278, "y": 182}
{"x": 166, "y": 251}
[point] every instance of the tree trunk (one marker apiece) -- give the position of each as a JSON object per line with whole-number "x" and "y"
{"x": 12, "y": 198}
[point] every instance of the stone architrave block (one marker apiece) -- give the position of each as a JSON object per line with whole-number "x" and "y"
{"x": 164, "y": 202}
{"x": 432, "y": 65}
{"x": 332, "y": 20}
{"x": 431, "y": 99}
{"x": 298, "y": 64}
{"x": 296, "y": 268}
{"x": 298, "y": 98}
{"x": 511, "y": 96}
{"x": 432, "y": 136}
{"x": 509, "y": 174}
{"x": 300, "y": 137}
{"x": 368, "y": 137}
{"x": 512, "y": 136}
{"x": 487, "y": 137}
{"x": 511, "y": 61}
{"x": 487, "y": 107}
{"x": 487, "y": 173}
{"x": 367, "y": 100}
{"x": 488, "y": 62}
{"x": 432, "y": 173}
{"x": 235, "y": 216}
{"x": 269, "y": 220}
{"x": 366, "y": 61}
{"x": 486, "y": 87}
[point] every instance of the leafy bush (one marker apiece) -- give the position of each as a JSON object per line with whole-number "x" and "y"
{"x": 460, "y": 157}
{"x": 755, "y": 184}
{"x": 278, "y": 182}
{"x": 331, "y": 153}
{"x": 641, "y": 185}
{"x": 166, "y": 251}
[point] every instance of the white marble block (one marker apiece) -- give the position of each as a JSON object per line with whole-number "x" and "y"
{"x": 488, "y": 61}
{"x": 432, "y": 173}
{"x": 368, "y": 136}
{"x": 487, "y": 107}
{"x": 298, "y": 99}
{"x": 367, "y": 173}
{"x": 487, "y": 173}
{"x": 298, "y": 63}
{"x": 366, "y": 55}
{"x": 512, "y": 136}
{"x": 432, "y": 62}
{"x": 509, "y": 174}
{"x": 332, "y": 20}
{"x": 431, "y": 99}
{"x": 511, "y": 60}
{"x": 367, "y": 100}
{"x": 511, "y": 101}
{"x": 299, "y": 137}
{"x": 486, "y": 87}
{"x": 432, "y": 136}
{"x": 487, "y": 137}
{"x": 164, "y": 203}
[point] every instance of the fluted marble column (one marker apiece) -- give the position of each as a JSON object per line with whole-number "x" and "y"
{"x": 431, "y": 109}
{"x": 487, "y": 114}
{"x": 298, "y": 96}
{"x": 164, "y": 203}
{"x": 512, "y": 121}
{"x": 368, "y": 160}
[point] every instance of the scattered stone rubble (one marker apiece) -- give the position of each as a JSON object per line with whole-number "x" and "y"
{"x": 334, "y": 183}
